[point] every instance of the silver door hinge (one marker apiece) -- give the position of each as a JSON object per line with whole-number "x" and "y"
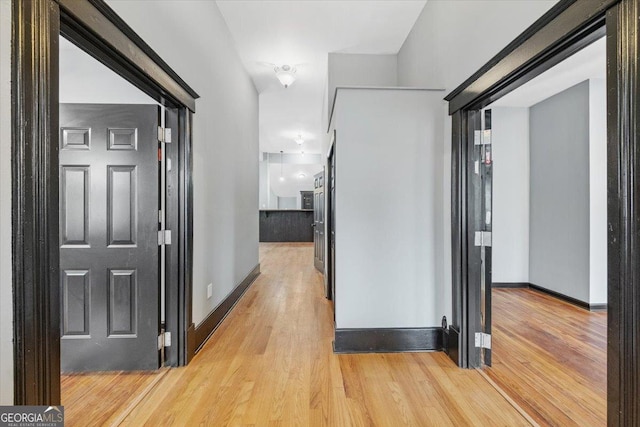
{"x": 164, "y": 237}
{"x": 164, "y": 134}
{"x": 482, "y": 137}
{"x": 483, "y": 340}
{"x": 164, "y": 340}
{"x": 483, "y": 238}
{"x": 486, "y": 137}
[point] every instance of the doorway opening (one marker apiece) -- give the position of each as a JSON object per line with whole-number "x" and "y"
{"x": 52, "y": 223}
{"x": 545, "y": 179}
{"x": 112, "y": 269}
{"x": 110, "y": 196}
{"x": 565, "y": 29}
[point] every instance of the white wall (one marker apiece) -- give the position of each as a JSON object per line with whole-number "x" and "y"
{"x": 346, "y": 69}
{"x": 559, "y": 198}
{"x": 510, "y": 215}
{"x": 597, "y": 191}
{"x": 452, "y": 39}
{"x": 192, "y": 37}
{"x": 288, "y": 203}
{"x": 83, "y": 79}
{"x": 511, "y": 192}
{"x": 6, "y": 297}
{"x": 448, "y": 43}
{"x": 289, "y": 166}
{"x": 264, "y": 188}
{"x": 388, "y": 208}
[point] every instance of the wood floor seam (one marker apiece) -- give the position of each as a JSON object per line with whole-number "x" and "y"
{"x": 157, "y": 381}
{"x": 508, "y": 398}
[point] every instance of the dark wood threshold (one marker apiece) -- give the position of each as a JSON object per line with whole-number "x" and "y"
{"x": 202, "y": 332}
{"x": 565, "y": 298}
{"x": 388, "y": 340}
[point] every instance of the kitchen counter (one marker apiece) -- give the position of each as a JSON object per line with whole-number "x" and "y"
{"x": 286, "y": 225}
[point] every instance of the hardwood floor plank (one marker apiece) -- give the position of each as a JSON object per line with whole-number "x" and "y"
{"x": 271, "y": 363}
{"x": 83, "y": 395}
{"x": 550, "y": 357}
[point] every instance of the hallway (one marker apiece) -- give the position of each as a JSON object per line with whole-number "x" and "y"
{"x": 271, "y": 363}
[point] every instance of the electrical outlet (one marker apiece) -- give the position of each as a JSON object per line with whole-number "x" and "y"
{"x": 209, "y": 290}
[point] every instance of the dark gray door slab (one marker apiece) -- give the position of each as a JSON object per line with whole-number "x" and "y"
{"x": 318, "y": 222}
{"x": 109, "y": 237}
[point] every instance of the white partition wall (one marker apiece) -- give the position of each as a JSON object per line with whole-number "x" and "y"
{"x": 389, "y": 214}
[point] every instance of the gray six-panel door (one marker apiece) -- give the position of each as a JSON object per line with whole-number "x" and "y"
{"x": 109, "y": 237}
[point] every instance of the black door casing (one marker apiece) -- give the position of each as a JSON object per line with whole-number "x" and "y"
{"x": 330, "y": 280}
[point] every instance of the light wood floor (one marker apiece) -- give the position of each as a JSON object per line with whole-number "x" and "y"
{"x": 550, "y": 357}
{"x": 271, "y": 363}
{"x": 99, "y": 399}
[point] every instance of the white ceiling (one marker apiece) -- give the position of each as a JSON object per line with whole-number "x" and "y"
{"x": 589, "y": 63}
{"x": 302, "y": 33}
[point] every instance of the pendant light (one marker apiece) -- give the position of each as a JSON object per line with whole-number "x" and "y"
{"x": 281, "y": 177}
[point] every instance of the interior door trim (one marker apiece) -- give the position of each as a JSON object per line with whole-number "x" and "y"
{"x": 564, "y": 29}
{"x": 546, "y": 43}
{"x": 36, "y": 26}
{"x": 35, "y": 251}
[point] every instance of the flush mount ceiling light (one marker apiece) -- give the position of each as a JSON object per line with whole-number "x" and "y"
{"x": 299, "y": 140}
{"x": 301, "y": 175}
{"x": 286, "y": 75}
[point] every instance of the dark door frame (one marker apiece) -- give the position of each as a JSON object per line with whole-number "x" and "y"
{"x": 319, "y": 218}
{"x": 329, "y": 218}
{"x": 566, "y": 28}
{"x": 92, "y": 25}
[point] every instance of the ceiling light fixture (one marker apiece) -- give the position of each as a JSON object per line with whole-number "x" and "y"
{"x": 281, "y": 177}
{"x": 286, "y": 75}
{"x": 299, "y": 140}
{"x": 301, "y": 175}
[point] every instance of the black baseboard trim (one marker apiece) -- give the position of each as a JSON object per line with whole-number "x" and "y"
{"x": 558, "y": 295}
{"x": 513, "y": 285}
{"x": 453, "y": 340}
{"x": 388, "y": 340}
{"x": 205, "y": 329}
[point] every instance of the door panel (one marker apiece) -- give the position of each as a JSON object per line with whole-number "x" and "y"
{"x": 75, "y": 302}
{"x": 108, "y": 227}
{"x": 121, "y": 205}
{"x": 74, "y": 205}
{"x": 318, "y": 222}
